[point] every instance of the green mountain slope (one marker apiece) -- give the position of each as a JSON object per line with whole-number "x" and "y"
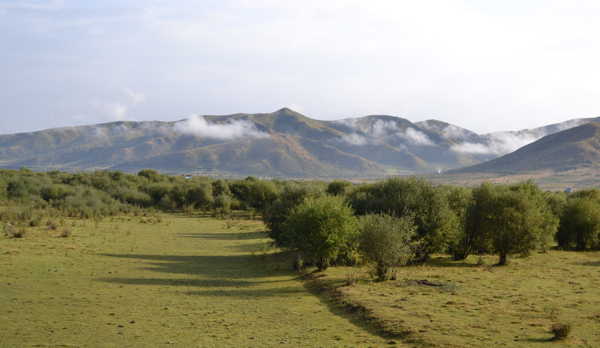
{"x": 280, "y": 154}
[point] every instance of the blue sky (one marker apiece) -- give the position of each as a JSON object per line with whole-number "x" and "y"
{"x": 484, "y": 66}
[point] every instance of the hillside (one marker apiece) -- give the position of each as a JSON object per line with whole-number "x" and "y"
{"x": 281, "y": 143}
{"x": 573, "y": 148}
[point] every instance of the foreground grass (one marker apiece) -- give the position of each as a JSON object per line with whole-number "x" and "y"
{"x": 187, "y": 281}
{"x": 469, "y": 304}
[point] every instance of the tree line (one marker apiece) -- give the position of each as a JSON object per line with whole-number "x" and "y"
{"x": 388, "y": 223}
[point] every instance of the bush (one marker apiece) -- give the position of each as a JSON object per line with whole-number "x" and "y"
{"x": 579, "y": 224}
{"x": 320, "y": 229}
{"x": 292, "y": 195}
{"x": 66, "y": 233}
{"x": 561, "y": 331}
{"x": 339, "y": 187}
{"x": 222, "y": 202}
{"x": 385, "y": 240}
{"x": 436, "y": 224}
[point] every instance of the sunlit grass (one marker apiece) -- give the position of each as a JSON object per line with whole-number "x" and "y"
{"x": 189, "y": 280}
{"x": 449, "y": 303}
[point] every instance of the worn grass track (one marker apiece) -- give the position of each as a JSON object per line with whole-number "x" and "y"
{"x": 187, "y": 281}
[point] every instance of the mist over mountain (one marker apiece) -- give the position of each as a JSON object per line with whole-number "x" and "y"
{"x": 283, "y": 143}
{"x": 574, "y": 148}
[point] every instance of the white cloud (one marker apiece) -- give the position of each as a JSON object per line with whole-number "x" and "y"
{"x": 115, "y": 111}
{"x": 350, "y": 123}
{"x": 354, "y": 139}
{"x": 232, "y": 130}
{"x": 416, "y": 137}
{"x": 135, "y": 97}
{"x": 499, "y": 143}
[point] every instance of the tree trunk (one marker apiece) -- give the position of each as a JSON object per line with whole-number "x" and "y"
{"x": 323, "y": 263}
{"x": 502, "y": 261}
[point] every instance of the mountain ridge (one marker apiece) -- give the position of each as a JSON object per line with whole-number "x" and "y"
{"x": 373, "y": 145}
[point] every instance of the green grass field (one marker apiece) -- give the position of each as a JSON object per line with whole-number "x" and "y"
{"x": 187, "y": 281}
{"x": 194, "y": 281}
{"x": 471, "y": 303}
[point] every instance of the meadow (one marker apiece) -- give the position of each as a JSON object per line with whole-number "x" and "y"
{"x": 186, "y": 281}
{"x": 473, "y": 303}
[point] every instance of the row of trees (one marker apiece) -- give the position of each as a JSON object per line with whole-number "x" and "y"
{"x": 388, "y": 222}
{"x": 397, "y": 220}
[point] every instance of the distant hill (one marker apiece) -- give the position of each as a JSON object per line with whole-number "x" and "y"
{"x": 573, "y": 148}
{"x": 281, "y": 143}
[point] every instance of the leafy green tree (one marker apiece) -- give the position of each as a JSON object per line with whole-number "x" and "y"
{"x": 241, "y": 189}
{"x": 385, "y": 241}
{"x": 262, "y": 193}
{"x": 292, "y": 195}
{"x": 149, "y": 174}
{"x": 200, "y": 195}
{"x": 426, "y": 204}
{"x": 509, "y": 221}
{"x": 220, "y": 187}
{"x": 549, "y": 224}
{"x": 579, "y": 224}
{"x": 320, "y": 229}
{"x": 339, "y": 187}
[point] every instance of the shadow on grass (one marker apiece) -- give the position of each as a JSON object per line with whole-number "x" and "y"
{"x": 449, "y": 262}
{"x": 589, "y": 263}
{"x": 232, "y": 275}
{"x": 537, "y": 340}
{"x": 234, "y": 235}
{"x": 215, "y": 266}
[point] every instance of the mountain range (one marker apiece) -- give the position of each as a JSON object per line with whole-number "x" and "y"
{"x": 279, "y": 144}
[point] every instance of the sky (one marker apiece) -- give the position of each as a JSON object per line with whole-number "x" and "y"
{"x": 482, "y": 65}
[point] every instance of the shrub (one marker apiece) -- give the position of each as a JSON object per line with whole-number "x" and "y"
{"x": 66, "y": 233}
{"x": 385, "y": 240}
{"x": 321, "y": 229}
{"x": 561, "y": 330}
{"x": 436, "y": 224}
{"x": 579, "y": 224}
{"x": 339, "y": 187}
{"x": 222, "y": 202}
{"x": 262, "y": 194}
{"x": 292, "y": 195}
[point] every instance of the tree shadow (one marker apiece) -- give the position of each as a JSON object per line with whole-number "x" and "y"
{"x": 537, "y": 340}
{"x": 217, "y": 266}
{"x": 450, "y": 262}
{"x": 231, "y": 275}
{"x": 588, "y": 263}
{"x": 234, "y": 235}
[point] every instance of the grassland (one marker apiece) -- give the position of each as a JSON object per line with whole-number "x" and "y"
{"x": 187, "y": 281}
{"x": 475, "y": 304}
{"x": 195, "y": 281}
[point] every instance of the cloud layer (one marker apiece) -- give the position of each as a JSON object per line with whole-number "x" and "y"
{"x": 232, "y": 130}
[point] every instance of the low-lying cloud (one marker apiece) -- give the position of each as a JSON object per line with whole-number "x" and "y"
{"x": 499, "y": 143}
{"x": 232, "y": 130}
{"x": 383, "y": 129}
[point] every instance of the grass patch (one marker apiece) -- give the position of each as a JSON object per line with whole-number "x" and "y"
{"x": 449, "y": 303}
{"x": 190, "y": 280}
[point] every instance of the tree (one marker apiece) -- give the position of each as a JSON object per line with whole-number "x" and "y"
{"x": 200, "y": 195}
{"x": 508, "y": 221}
{"x": 220, "y": 187}
{"x": 339, "y": 187}
{"x": 320, "y": 229}
{"x": 579, "y": 224}
{"x": 149, "y": 174}
{"x": 292, "y": 195}
{"x": 425, "y": 203}
{"x": 262, "y": 193}
{"x": 385, "y": 240}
